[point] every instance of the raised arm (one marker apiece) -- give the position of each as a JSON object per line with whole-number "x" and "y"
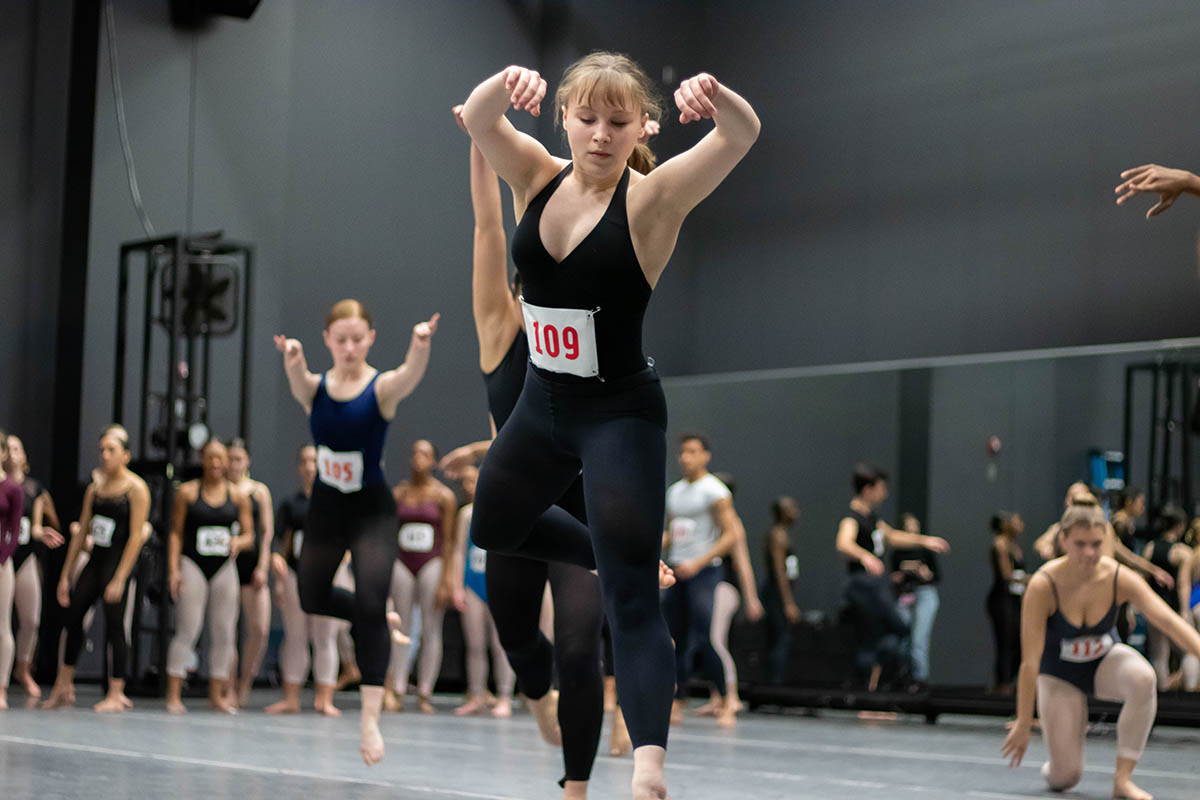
{"x": 467, "y": 455}
{"x": 848, "y": 547}
{"x": 518, "y": 158}
{"x": 1036, "y": 607}
{"x": 1044, "y": 544}
{"x": 139, "y": 513}
{"x": 1166, "y": 182}
{"x": 1131, "y": 588}
{"x": 397, "y": 384}
{"x": 302, "y": 382}
{"x": 1132, "y": 560}
{"x": 670, "y": 192}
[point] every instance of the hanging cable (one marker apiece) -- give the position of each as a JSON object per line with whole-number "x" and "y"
{"x": 110, "y": 25}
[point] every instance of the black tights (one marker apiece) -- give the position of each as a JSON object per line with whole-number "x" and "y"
{"x": 615, "y": 432}
{"x": 575, "y": 654}
{"x": 688, "y": 606}
{"x": 88, "y": 589}
{"x": 365, "y": 524}
{"x": 1004, "y": 609}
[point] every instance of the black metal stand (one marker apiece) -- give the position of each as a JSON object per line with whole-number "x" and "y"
{"x": 1169, "y": 449}
{"x": 174, "y": 269}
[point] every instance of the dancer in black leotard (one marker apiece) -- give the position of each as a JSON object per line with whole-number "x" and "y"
{"x": 593, "y": 240}
{"x": 1004, "y": 598}
{"x": 111, "y": 511}
{"x": 514, "y": 584}
{"x": 351, "y": 507}
{"x": 253, "y": 565}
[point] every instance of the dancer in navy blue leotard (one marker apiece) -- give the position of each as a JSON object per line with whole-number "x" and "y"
{"x": 593, "y": 240}
{"x": 352, "y": 508}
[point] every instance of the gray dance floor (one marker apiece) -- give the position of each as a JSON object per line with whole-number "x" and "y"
{"x": 148, "y": 754}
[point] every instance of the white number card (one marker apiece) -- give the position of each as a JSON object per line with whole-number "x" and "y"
{"x": 562, "y": 339}
{"x": 416, "y": 537}
{"x": 102, "y": 530}
{"x": 213, "y": 540}
{"x": 477, "y": 559}
{"x": 1085, "y": 648}
{"x": 682, "y": 529}
{"x": 342, "y": 471}
{"x": 297, "y": 543}
{"x": 24, "y": 536}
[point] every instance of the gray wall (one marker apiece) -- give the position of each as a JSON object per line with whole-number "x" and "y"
{"x": 33, "y": 88}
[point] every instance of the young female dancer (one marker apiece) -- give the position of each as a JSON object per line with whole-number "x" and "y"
{"x": 783, "y": 568}
{"x": 352, "y": 508}
{"x": 593, "y": 240}
{"x": 11, "y": 504}
{"x": 300, "y": 629}
{"x": 211, "y": 523}
{"x": 479, "y": 630}
{"x": 253, "y": 565}
{"x": 112, "y": 508}
{"x": 425, "y": 509}
{"x": 39, "y": 528}
{"x": 1069, "y": 652}
{"x": 1009, "y": 580}
{"x": 1169, "y": 553}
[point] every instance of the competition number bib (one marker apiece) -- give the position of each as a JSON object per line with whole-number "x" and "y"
{"x": 102, "y": 531}
{"x": 297, "y": 543}
{"x": 477, "y": 560}
{"x": 24, "y": 537}
{"x": 342, "y": 471}
{"x": 877, "y": 538}
{"x": 213, "y": 540}
{"x": 1085, "y": 648}
{"x": 792, "y": 565}
{"x": 1016, "y": 587}
{"x": 416, "y": 537}
{"x": 682, "y": 529}
{"x": 562, "y": 339}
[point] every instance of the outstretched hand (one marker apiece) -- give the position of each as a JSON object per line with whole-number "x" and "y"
{"x": 457, "y": 112}
{"x": 1015, "y": 743}
{"x": 1167, "y": 183}
{"x": 424, "y": 331}
{"x": 292, "y": 350}
{"x": 695, "y": 96}
{"x": 526, "y": 88}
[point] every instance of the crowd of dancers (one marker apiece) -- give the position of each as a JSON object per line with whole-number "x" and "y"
{"x": 568, "y": 492}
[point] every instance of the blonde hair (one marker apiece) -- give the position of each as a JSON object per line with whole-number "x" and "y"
{"x": 1083, "y": 511}
{"x": 347, "y": 309}
{"x": 618, "y": 81}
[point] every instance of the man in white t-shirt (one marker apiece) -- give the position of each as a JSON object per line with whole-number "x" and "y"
{"x": 702, "y": 527}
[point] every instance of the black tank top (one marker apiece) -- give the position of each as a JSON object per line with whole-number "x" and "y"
{"x": 505, "y": 381}
{"x": 208, "y": 532}
{"x": 867, "y": 523}
{"x": 291, "y": 518}
{"x": 1161, "y": 558}
{"x": 109, "y": 527}
{"x": 602, "y": 272}
{"x": 999, "y": 585}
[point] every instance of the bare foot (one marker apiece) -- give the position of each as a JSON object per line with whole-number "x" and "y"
{"x": 677, "y": 712}
{"x": 619, "y": 743}
{"x": 222, "y": 705}
{"x": 649, "y": 787}
{"x": 113, "y": 704}
{"x": 3, "y": 700}
{"x": 1125, "y": 788}
{"x": 424, "y": 705}
{"x": 176, "y": 707}
{"x": 727, "y": 717}
{"x": 29, "y": 685}
{"x": 545, "y": 712}
{"x": 327, "y": 709}
{"x": 372, "y": 743}
{"x": 666, "y": 576}
{"x": 393, "y": 702}
{"x": 709, "y": 709}
{"x": 502, "y": 709}
{"x": 60, "y": 697}
{"x": 472, "y": 706}
{"x": 283, "y": 707}
{"x": 349, "y": 677}
{"x": 243, "y": 696}
{"x": 398, "y": 636}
